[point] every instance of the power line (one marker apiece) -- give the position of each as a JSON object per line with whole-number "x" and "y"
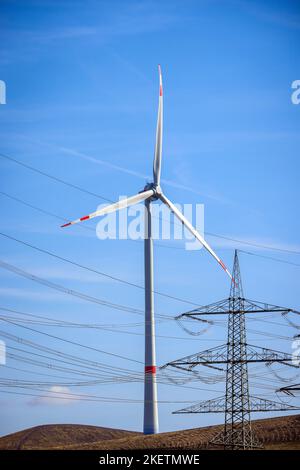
{"x": 45, "y": 212}
{"x": 84, "y": 397}
{"x": 69, "y": 359}
{"x": 75, "y": 360}
{"x": 86, "y": 372}
{"x": 72, "y": 371}
{"x": 92, "y": 270}
{"x": 83, "y": 190}
{"x": 9, "y": 382}
{"x": 69, "y": 395}
{"x": 257, "y": 245}
{"x": 50, "y": 321}
{"x": 54, "y": 178}
{"x": 72, "y": 292}
{"x": 33, "y": 372}
{"x": 269, "y": 258}
{"x": 74, "y": 342}
{"x": 107, "y": 275}
{"x": 80, "y": 226}
{"x": 64, "y": 355}
{"x": 60, "y": 323}
{"x": 108, "y": 379}
{"x": 56, "y": 322}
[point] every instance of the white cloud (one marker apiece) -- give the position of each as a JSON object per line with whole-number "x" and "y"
{"x": 56, "y": 395}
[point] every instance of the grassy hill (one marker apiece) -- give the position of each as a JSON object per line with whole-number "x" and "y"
{"x": 61, "y": 435}
{"x": 275, "y": 433}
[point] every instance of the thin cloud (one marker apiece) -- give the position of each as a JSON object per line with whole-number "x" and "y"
{"x": 58, "y": 34}
{"x": 143, "y": 176}
{"x": 127, "y": 20}
{"x": 56, "y": 395}
{"x": 112, "y": 166}
{"x": 270, "y": 14}
{"x": 13, "y": 292}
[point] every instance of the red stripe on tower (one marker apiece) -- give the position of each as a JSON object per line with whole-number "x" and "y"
{"x": 150, "y": 369}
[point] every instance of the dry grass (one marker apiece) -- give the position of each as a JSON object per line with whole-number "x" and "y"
{"x": 60, "y": 435}
{"x": 276, "y": 433}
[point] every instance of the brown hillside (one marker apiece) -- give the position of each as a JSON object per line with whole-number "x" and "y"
{"x": 53, "y": 435}
{"x": 275, "y": 433}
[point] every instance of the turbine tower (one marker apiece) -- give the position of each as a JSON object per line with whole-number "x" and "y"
{"x": 152, "y": 192}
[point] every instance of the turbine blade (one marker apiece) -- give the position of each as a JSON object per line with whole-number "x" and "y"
{"x": 194, "y": 232}
{"x": 159, "y": 130}
{"x": 114, "y": 207}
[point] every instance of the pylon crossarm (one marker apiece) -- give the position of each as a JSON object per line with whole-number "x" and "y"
{"x": 218, "y": 405}
{"x": 261, "y": 404}
{"x": 223, "y": 308}
{"x": 189, "y": 366}
{"x": 259, "y": 354}
{"x": 289, "y": 389}
{"x": 204, "y": 358}
{"x": 218, "y": 355}
{"x": 253, "y": 306}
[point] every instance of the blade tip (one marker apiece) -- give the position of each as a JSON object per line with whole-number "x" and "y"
{"x": 160, "y": 81}
{"x": 65, "y": 225}
{"x": 226, "y": 270}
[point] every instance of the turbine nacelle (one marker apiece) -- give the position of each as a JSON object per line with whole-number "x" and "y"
{"x": 157, "y": 191}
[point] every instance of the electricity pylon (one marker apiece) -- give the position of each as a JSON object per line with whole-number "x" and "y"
{"x": 236, "y": 354}
{"x": 237, "y": 428}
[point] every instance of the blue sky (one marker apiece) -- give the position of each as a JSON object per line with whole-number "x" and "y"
{"x": 82, "y": 90}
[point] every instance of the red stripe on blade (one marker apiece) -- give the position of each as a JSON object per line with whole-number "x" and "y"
{"x": 223, "y": 265}
{"x": 160, "y": 90}
{"x": 150, "y": 369}
{"x": 84, "y": 218}
{"x": 66, "y": 225}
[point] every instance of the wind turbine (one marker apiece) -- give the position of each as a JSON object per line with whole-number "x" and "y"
{"x": 152, "y": 192}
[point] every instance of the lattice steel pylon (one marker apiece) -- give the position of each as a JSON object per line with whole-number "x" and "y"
{"x": 237, "y": 432}
{"x": 236, "y": 354}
